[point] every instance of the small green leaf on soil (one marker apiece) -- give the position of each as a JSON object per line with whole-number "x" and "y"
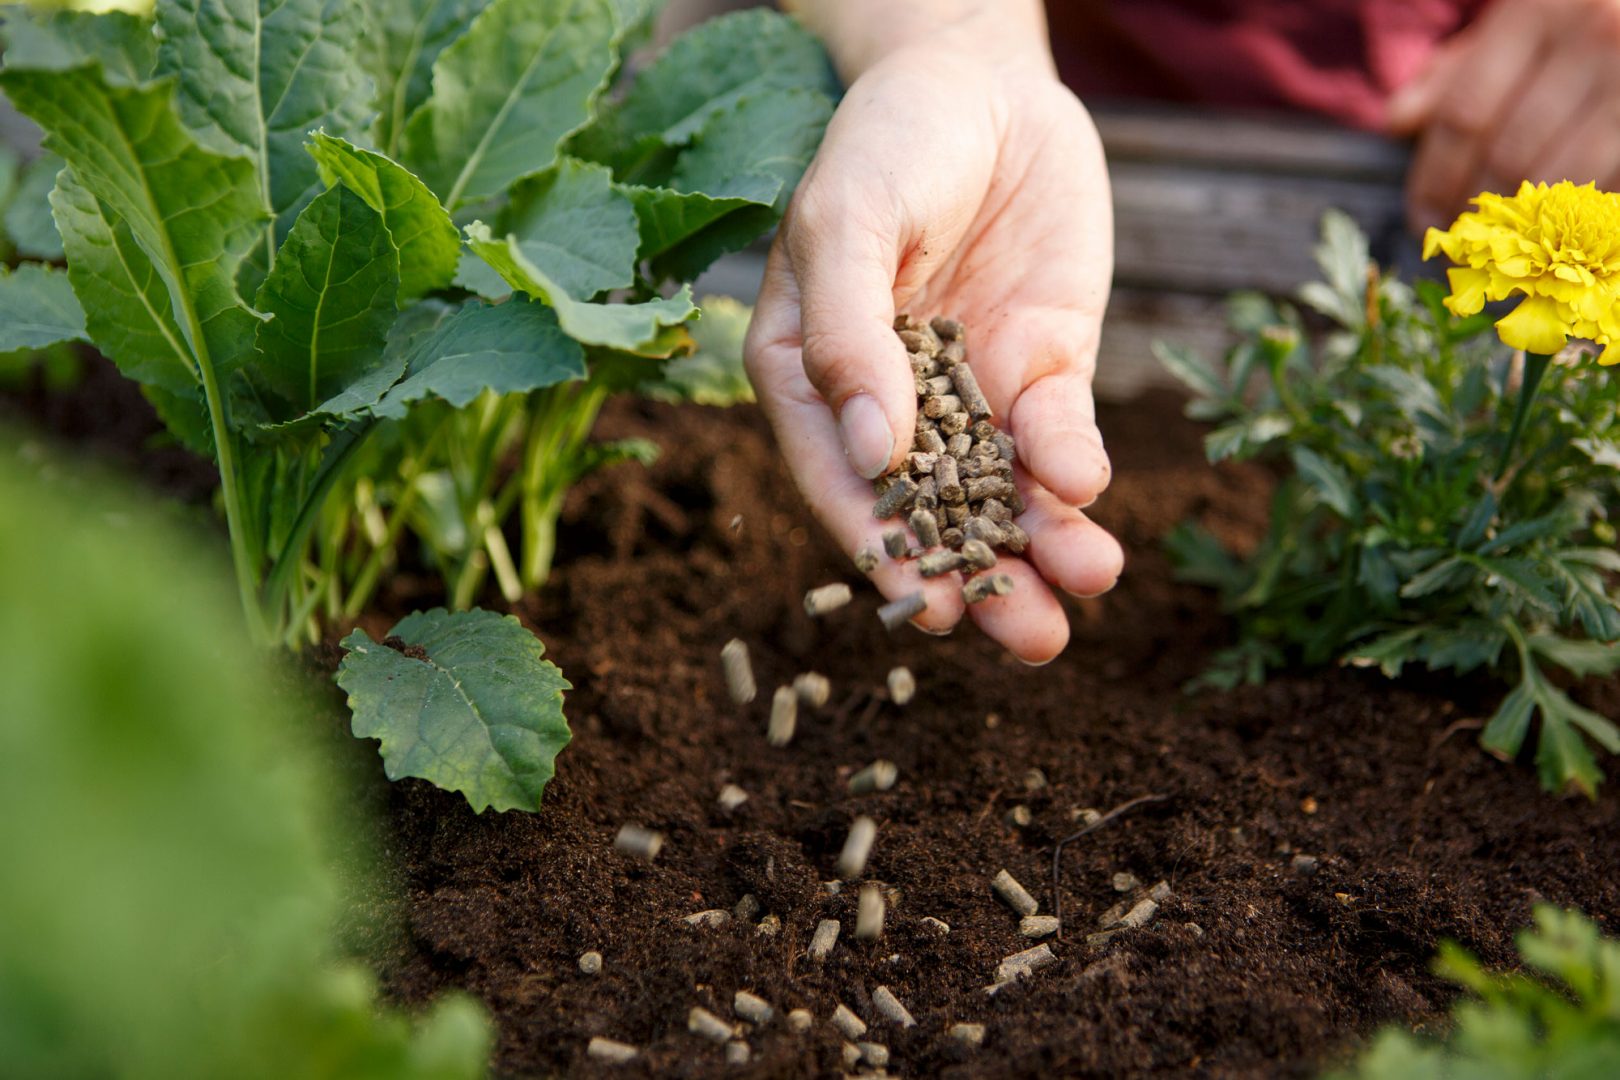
{"x": 467, "y": 703}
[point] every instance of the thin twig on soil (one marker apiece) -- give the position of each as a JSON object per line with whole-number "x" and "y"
{"x": 1057, "y": 852}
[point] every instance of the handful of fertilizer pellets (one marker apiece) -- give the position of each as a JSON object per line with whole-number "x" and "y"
{"x": 956, "y": 486}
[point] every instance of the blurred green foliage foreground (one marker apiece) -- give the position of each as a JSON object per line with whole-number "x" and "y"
{"x": 171, "y": 896}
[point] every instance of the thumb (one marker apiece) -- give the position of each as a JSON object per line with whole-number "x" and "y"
{"x": 852, "y": 356}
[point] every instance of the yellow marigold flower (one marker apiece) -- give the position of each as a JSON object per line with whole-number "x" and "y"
{"x": 1558, "y": 245}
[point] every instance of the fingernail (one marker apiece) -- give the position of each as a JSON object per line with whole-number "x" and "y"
{"x": 1035, "y": 663}
{"x": 868, "y": 439}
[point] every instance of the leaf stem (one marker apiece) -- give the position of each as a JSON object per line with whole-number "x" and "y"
{"x": 247, "y": 578}
{"x": 1535, "y": 367}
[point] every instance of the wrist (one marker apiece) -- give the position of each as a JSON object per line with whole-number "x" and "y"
{"x": 997, "y": 33}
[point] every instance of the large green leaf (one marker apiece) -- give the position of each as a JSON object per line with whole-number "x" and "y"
{"x": 130, "y": 317}
{"x": 706, "y": 71}
{"x": 28, "y": 221}
{"x": 403, "y": 39}
{"x": 423, "y": 233}
{"x": 507, "y": 93}
{"x": 194, "y": 214}
{"x": 774, "y": 133}
{"x": 634, "y": 328}
{"x": 55, "y": 41}
{"x": 37, "y": 308}
{"x": 683, "y": 232}
{"x": 508, "y": 348}
{"x": 256, "y": 76}
{"x": 470, "y": 705}
{"x": 573, "y": 224}
{"x": 331, "y": 298}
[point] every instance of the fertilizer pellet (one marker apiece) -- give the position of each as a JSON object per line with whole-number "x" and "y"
{"x": 976, "y": 554}
{"x": 784, "y": 716}
{"x": 731, "y": 797}
{"x": 972, "y": 1034}
{"x": 895, "y": 499}
{"x": 1305, "y": 865}
{"x": 710, "y": 919}
{"x": 878, "y": 776}
{"x": 1039, "y": 926}
{"x": 590, "y": 963}
{"x": 937, "y": 386}
{"x": 926, "y": 528}
{"x": 1034, "y": 780}
{"x": 746, "y": 908}
{"x": 939, "y": 926}
{"x": 1013, "y": 894}
{"x": 946, "y": 481}
{"x": 769, "y": 926}
{"x": 813, "y": 689}
{"x": 851, "y": 1055}
{"x": 953, "y": 353}
{"x": 702, "y": 1022}
{"x": 1160, "y": 891}
{"x": 943, "y": 405}
{"x": 930, "y": 442}
{"x": 902, "y": 685}
{"x": 995, "y": 510}
{"x": 986, "y": 487}
{"x": 947, "y": 329}
{"x": 1014, "y": 538}
{"x": 800, "y": 1020}
{"x": 985, "y": 586}
{"x": 857, "y": 846}
{"x": 927, "y": 497}
{"x": 1020, "y": 817}
{"x": 847, "y": 1023}
{"x": 642, "y": 843}
{"x": 874, "y": 1054}
{"x": 610, "y": 1050}
{"x": 982, "y": 529}
{"x": 938, "y": 563}
{"x": 751, "y": 1007}
{"x": 922, "y": 342}
{"x": 884, "y": 1001}
{"x": 737, "y": 1052}
{"x": 953, "y": 424}
{"x": 1140, "y": 915}
{"x": 739, "y": 673}
{"x": 869, "y": 912}
{"x": 1125, "y": 881}
{"x": 967, "y": 389}
{"x": 955, "y": 518}
{"x": 1101, "y": 938}
{"x": 896, "y": 613}
{"x": 827, "y": 598}
{"x": 1020, "y": 964}
{"x": 823, "y": 940}
{"x": 866, "y": 560}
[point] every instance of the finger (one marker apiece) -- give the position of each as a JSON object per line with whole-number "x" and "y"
{"x": 1437, "y": 185}
{"x": 1028, "y": 622}
{"x": 1544, "y": 115}
{"x": 1070, "y": 550}
{"x": 1590, "y": 153}
{"x": 1499, "y": 57}
{"x": 844, "y": 257}
{"x": 807, "y": 436}
{"x": 1414, "y": 104}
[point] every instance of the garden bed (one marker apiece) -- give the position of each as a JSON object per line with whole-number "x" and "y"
{"x": 1251, "y": 968}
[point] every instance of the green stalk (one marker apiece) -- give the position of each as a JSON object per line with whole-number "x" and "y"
{"x": 560, "y": 425}
{"x": 247, "y": 578}
{"x": 277, "y": 583}
{"x": 1535, "y": 366}
{"x": 365, "y": 582}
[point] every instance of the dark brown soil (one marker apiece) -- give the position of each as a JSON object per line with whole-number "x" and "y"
{"x": 1250, "y": 969}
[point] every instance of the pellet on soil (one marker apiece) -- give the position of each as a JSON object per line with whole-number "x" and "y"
{"x": 1085, "y": 815}
{"x": 1305, "y": 865}
{"x": 869, "y": 912}
{"x": 710, "y": 919}
{"x": 823, "y": 940}
{"x": 925, "y": 527}
{"x": 1140, "y": 915}
{"x": 752, "y": 1007}
{"x": 939, "y": 926}
{"x": 590, "y": 962}
{"x": 857, "y": 848}
{"x": 896, "y": 613}
{"x": 769, "y": 926}
{"x": 737, "y": 1052}
{"x": 967, "y": 389}
{"x": 874, "y": 1054}
{"x": 739, "y": 672}
{"x": 976, "y": 555}
{"x": 746, "y": 908}
{"x": 1101, "y": 938}
{"x": 1039, "y": 926}
{"x": 800, "y": 1020}
{"x": 972, "y": 1034}
{"x": 1013, "y": 894}
{"x": 731, "y": 797}
{"x": 639, "y": 842}
{"x": 894, "y": 542}
{"x": 985, "y": 586}
{"x": 848, "y": 1024}
{"x": 1125, "y": 881}
{"x": 703, "y": 1023}
{"x": 826, "y": 599}
{"x": 813, "y": 688}
{"x": 902, "y": 685}
{"x": 878, "y": 776}
{"x": 895, "y": 499}
{"x": 1034, "y": 780}
{"x": 884, "y": 1001}
{"x": 1020, "y": 964}
{"x": 851, "y": 1055}
{"x": 866, "y": 560}
{"x": 610, "y": 1050}
{"x": 938, "y": 563}
{"x": 1160, "y": 891}
{"x": 1020, "y": 816}
{"x": 784, "y": 716}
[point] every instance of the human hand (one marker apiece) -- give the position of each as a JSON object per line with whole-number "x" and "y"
{"x": 948, "y": 185}
{"x": 1529, "y": 92}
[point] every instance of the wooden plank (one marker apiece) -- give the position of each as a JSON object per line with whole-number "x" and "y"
{"x": 1298, "y": 146}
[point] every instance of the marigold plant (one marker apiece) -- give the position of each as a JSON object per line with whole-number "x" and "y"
{"x": 1442, "y": 502}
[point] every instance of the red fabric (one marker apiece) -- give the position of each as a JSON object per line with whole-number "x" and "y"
{"x": 1341, "y": 58}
